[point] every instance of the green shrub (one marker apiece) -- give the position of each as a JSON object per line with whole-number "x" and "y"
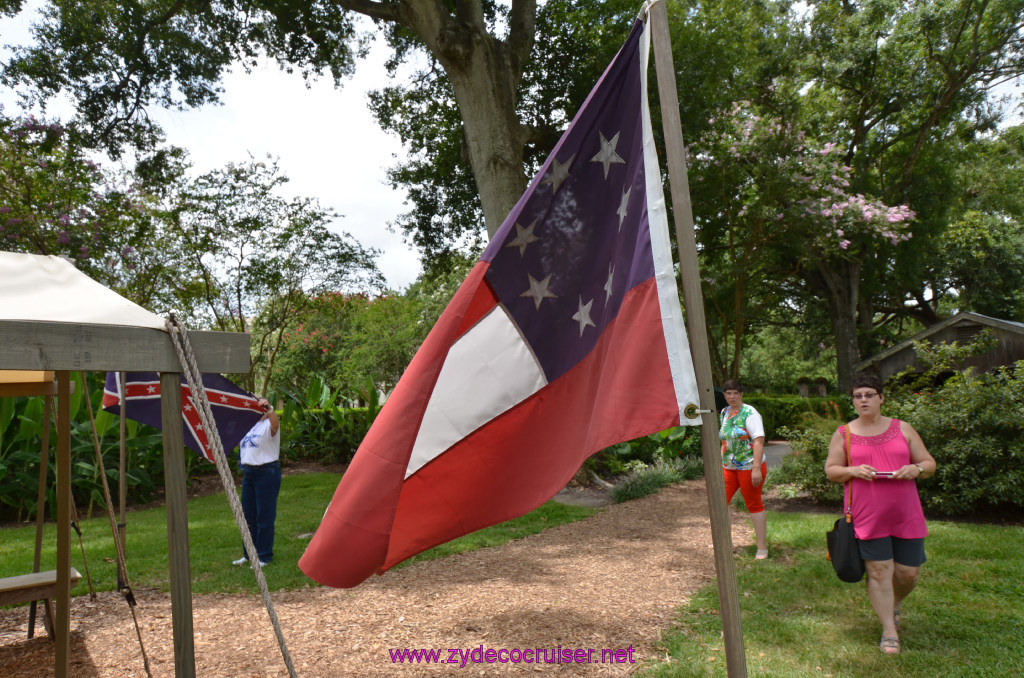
{"x": 973, "y": 426}
{"x": 789, "y": 411}
{"x": 318, "y": 425}
{"x": 680, "y": 442}
{"x": 805, "y": 468}
{"x": 649, "y": 479}
{"x": 21, "y": 430}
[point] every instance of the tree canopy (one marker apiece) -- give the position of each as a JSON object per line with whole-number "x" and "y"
{"x": 825, "y": 134}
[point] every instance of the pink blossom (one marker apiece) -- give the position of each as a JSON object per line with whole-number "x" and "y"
{"x": 844, "y": 244}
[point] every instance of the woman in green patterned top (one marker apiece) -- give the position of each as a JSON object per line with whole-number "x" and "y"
{"x": 742, "y": 436}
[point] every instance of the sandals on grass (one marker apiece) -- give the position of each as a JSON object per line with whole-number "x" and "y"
{"x": 889, "y": 645}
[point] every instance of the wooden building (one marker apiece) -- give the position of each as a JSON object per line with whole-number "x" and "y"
{"x": 962, "y": 328}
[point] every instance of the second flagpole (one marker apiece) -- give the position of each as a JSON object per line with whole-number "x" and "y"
{"x": 693, "y": 300}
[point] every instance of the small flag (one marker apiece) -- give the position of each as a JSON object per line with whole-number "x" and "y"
{"x": 566, "y": 337}
{"x": 234, "y": 410}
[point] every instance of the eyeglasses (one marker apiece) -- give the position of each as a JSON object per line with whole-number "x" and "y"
{"x": 864, "y": 396}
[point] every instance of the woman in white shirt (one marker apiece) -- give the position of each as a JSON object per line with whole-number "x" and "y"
{"x": 259, "y": 454}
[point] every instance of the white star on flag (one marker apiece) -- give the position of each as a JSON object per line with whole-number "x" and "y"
{"x": 538, "y": 290}
{"x": 607, "y": 155}
{"x": 622, "y": 206}
{"x": 524, "y": 236}
{"x": 608, "y": 285}
{"x": 559, "y": 173}
{"x": 582, "y": 316}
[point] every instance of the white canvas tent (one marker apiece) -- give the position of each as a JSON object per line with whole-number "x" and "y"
{"x": 54, "y": 318}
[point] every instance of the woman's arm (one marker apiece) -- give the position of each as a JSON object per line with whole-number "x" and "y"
{"x": 835, "y": 465}
{"x": 755, "y": 473}
{"x": 922, "y": 464}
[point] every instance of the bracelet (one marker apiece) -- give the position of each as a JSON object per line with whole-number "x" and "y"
{"x": 919, "y": 468}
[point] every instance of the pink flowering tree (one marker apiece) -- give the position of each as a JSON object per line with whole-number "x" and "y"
{"x": 779, "y": 229}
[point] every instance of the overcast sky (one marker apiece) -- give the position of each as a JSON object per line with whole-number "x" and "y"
{"x": 326, "y": 139}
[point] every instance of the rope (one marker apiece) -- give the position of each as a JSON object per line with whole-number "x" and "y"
{"x": 126, "y": 589}
{"x": 76, "y": 525}
{"x": 194, "y": 378}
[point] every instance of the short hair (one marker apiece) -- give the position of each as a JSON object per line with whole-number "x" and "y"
{"x": 733, "y": 385}
{"x": 866, "y": 381}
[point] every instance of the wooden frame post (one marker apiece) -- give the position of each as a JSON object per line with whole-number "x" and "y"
{"x": 180, "y": 569}
{"x": 62, "y": 624}
{"x": 122, "y": 480}
{"x": 682, "y": 213}
{"x": 44, "y": 461}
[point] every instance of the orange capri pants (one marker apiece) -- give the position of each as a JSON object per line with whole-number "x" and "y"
{"x": 740, "y": 480}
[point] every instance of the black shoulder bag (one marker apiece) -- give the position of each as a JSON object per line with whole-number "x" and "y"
{"x": 841, "y": 541}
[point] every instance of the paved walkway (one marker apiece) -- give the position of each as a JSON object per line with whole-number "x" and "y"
{"x": 774, "y": 451}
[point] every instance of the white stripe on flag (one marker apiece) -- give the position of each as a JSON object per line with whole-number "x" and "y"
{"x": 487, "y": 371}
{"x": 679, "y": 359}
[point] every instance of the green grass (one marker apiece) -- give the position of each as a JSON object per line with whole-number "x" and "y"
{"x": 214, "y": 541}
{"x": 966, "y": 618}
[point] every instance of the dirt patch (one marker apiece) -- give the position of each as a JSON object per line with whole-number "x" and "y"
{"x": 612, "y": 581}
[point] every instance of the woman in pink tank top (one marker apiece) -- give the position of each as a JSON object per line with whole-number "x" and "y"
{"x": 886, "y": 457}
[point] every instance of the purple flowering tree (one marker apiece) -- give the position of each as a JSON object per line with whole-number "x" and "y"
{"x": 779, "y": 231}
{"x": 54, "y": 200}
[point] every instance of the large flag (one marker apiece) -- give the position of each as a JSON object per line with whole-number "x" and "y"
{"x": 234, "y": 410}
{"x": 566, "y": 337}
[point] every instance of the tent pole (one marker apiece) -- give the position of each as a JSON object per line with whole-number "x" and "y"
{"x": 44, "y": 463}
{"x": 122, "y": 484}
{"x": 686, "y": 243}
{"x": 62, "y": 623}
{"x": 177, "y": 525}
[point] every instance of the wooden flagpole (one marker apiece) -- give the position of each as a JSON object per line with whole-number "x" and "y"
{"x": 686, "y": 243}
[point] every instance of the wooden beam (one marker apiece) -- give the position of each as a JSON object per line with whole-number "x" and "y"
{"x": 67, "y": 346}
{"x": 682, "y": 213}
{"x": 62, "y": 624}
{"x": 177, "y": 525}
{"x": 8, "y": 390}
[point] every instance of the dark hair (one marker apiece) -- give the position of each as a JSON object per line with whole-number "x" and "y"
{"x": 866, "y": 381}
{"x": 732, "y": 385}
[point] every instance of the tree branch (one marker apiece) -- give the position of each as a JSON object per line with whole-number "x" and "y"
{"x": 521, "y": 32}
{"x": 384, "y": 11}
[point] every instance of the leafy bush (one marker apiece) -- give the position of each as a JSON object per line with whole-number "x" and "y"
{"x": 805, "y": 468}
{"x": 649, "y": 479}
{"x": 21, "y": 429}
{"x": 791, "y": 411}
{"x": 319, "y": 426}
{"x": 673, "y": 443}
{"x": 973, "y": 426}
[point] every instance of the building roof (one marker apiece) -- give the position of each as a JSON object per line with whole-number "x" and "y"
{"x": 1010, "y": 326}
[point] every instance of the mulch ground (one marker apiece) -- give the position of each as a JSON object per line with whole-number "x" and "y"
{"x": 612, "y": 581}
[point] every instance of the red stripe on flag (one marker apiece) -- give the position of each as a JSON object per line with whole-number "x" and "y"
{"x": 483, "y": 301}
